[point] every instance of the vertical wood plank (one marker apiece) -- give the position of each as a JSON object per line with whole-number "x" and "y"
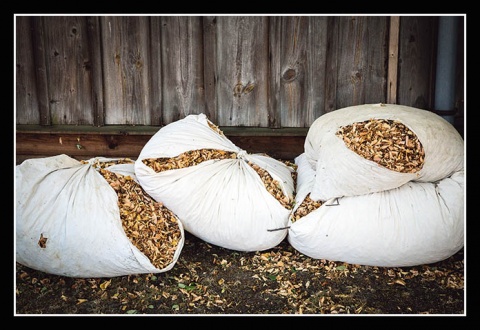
{"x": 416, "y": 61}
{"x": 155, "y": 69}
{"x": 274, "y": 71}
{"x": 350, "y": 64}
{"x": 393, "y": 59}
{"x": 39, "y": 59}
{"x": 210, "y": 74}
{"x": 362, "y": 64}
{"x": 375, "y": 67}
{"x": 293, "y": 70}
{"x": 263, "y": 71}
{"x": 303, "y": 65}
{"x": 94, "y": 65}
{"x": 69, "y": 75}
{"x": 433, "y": 62}
{"x": 26, "y": 98}
{"x": 242, "y": 67}
{"x": 182, "y": 57}
{"x": 126, "y": 74}
{"x": 460, "y": 79}
{"x": 317, "y": 61}
{"x": 331, "y": 66}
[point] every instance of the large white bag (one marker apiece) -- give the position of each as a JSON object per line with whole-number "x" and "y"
{"x": 68, "y": 221}
{"x": 221, "y": 201}
{"x": 342, "y": 172}
{"x": 417, "y": 223}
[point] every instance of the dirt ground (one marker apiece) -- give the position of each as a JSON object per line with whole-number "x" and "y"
{"x": 210, "y": 280}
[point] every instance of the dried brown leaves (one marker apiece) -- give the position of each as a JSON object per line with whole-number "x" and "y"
{"x": 149, "y": 225}
{"x": 195, "y": 157}
{"x": 215, "y": 128}
{"x": 187, "y": 159}
{"x": 212, "y": 280}
{"x": 331, "y": 287}
{"x": 389, "y": 143}
{"x": 308, "y": 205}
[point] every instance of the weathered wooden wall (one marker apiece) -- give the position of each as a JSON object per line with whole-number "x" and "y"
{"x": 241, "y": 71}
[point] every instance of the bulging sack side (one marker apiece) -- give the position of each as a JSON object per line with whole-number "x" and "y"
{"x": 341, "y": 171}
{"x": 68, "y": 222}
{"x": 417, "y": 223}
{"x": 216, "y": 188}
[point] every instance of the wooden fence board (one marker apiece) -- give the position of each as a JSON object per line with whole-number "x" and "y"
{"x": 331, "y": 65}
{"x": 393, "y": 59}
{"x": 253, "y": 71}
{"x": 94, "y": 65}
{"x": 303, "y": 63}
{"x": 83, "y": 142}
{"x": 155, "y": 69}
{"x": 274, "y": 73}
{"x": 362, "y": 61}
{"x": 27, "y": 99}
{"x": 460, "y": 78}
{"x": 69, "y": 80}
{"x": 375, "y": 67}
{"x": 41, "y": 74}
{"x": 209, "y": 65}
{"x": 182, "y": 63}
{"x": 416, "y": 61}
{"x": 125, "y": 45}
{"x": 317, "y": 60}
{"x": 241, "y": 70}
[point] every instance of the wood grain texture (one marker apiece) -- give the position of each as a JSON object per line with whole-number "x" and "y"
{"x": 26, "y": 100}
{"x": 416, "y": 61}
{"x": 69, "y": 79}
{"x": 393, "y": 60}
{"x": 94, "y": 65}
{"x": 362, "y": 61}
{"x": 331, "y": 66}
{"x": 241, "y": 71}
{"x": 460, "y": 82}
{"x": 125, "y": 49}
{"x": 86, "y": 142}
{"x": 242, "y": 67}
{"x": 182, "y": 63}
{"x": 40, "y": 74}
{"x": 155, "y": 69}
{"x": 274, "y": 74}
{"x": 375, "y": 67}
{"x": 80, "y": 144}
{"x": 302, "y": 69}
{"x": 209, "y": 66}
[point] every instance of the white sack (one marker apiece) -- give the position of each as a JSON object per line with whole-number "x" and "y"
{"x": 75, "y": 208}
{"x": 223, "y": 202}
{"x": 342, "y": 172}
{"x": 417, "y": 223}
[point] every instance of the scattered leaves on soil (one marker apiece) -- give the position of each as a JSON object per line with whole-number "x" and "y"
{"x": 212, "y": 280}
